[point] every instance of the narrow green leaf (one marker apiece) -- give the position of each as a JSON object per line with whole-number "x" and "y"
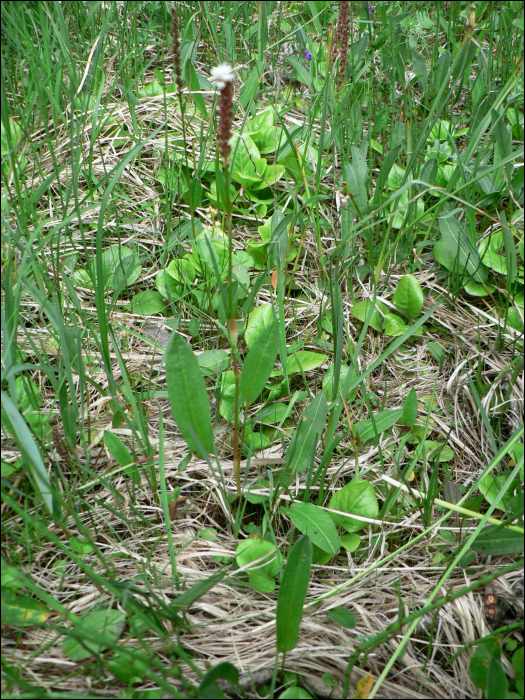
{"x": 498, "y": 540}
{"x": 302, "y": 74}
{"x": 192, "y": 81}
{"x": 459, "y": 245}
{"x": 307, "y": 434}
{"x": 437, "y": 351}
{"x": 497, "y": 683}
{"x": 408, "y": 296}
{"x": 384, "y": 172}
{"x": 208, "y": 688}
{"x": 420, "y": 70}
{"x": 440, "y": 74}
{"x": 22, "y": 610}
{"x": 259, "y": 363}
{"x": 29, "y": 450}
{"x": 359, "y": 49}
{"x": 510, "y": 250}
{"x": 383, "y": 421}
{"x": 429, "y": 171}
{"x": 316, "y": 523}
{"x": 292, "y": 593}
{"x": 409, "y": 415}
{"x": 117, "y": 448}
{"x": 186, "y": 599}
{"x": 503, "y": 138}
{"x": 252, "y": 83}
{"x": 187, "y": 394}
{"x": 357, "y": 203}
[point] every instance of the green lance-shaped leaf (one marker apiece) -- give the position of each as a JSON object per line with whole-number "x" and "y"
{"x": 292, "y": 593}
{"x": 420, "y": 70}
{"x": 409, "y": 415}
{"x": 191, "y": 595}
{"x": 496, "y": 540}
{"x": 187, "y": 394}
{"x": 460, "y": 246}
{"x": 259, "y": 363}
{"x": 307, "y": 433}
{"x": 29, "y": 450}
{"x": 368, "y": 428}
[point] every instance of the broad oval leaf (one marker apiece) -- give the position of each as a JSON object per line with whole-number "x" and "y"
{"x": 432, "y": 449}
{"x": 167, "y": 286}
{"x": 356, "y": 497}
{"x": 408, "y": 296}
{"x": 292, "y": 593}
{"x": 273, "y": 413}
{"x": 479, "y": 290}
{"x": 262, "y": 573}
{"x": 187, "y": 394}
{"x": 93, "y": 633}
{"x": 350, "y": 541}
{"x": 120, "y": 266}
{"x": 147, "y": 303}
{"x": 342, "y": 616}
{"x": 361, "y": 309}
{"x": 259, "y": 363}
{"x": 394, "y": 325}
{"x": 213, "y": 362}
{"x": 490, "y": 486}
{"x": 304, "y": 360}
{"x": 316, "y": 523}
{"x": 486, "y": 650}
{"x": 260, "y": 318}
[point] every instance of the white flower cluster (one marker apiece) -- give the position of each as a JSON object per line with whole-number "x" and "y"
{"x": 221, "y": 75}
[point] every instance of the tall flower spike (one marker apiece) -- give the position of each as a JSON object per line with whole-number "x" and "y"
{"x": 222, "y": 76}
{"x": 176, "y": 48}
{"x": 341, "y": 40}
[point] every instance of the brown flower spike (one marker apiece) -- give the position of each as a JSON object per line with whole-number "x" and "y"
{"x": 176, "y": 48}
{"x": 223, "y": 77}
{"x": 342, "y": 33}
